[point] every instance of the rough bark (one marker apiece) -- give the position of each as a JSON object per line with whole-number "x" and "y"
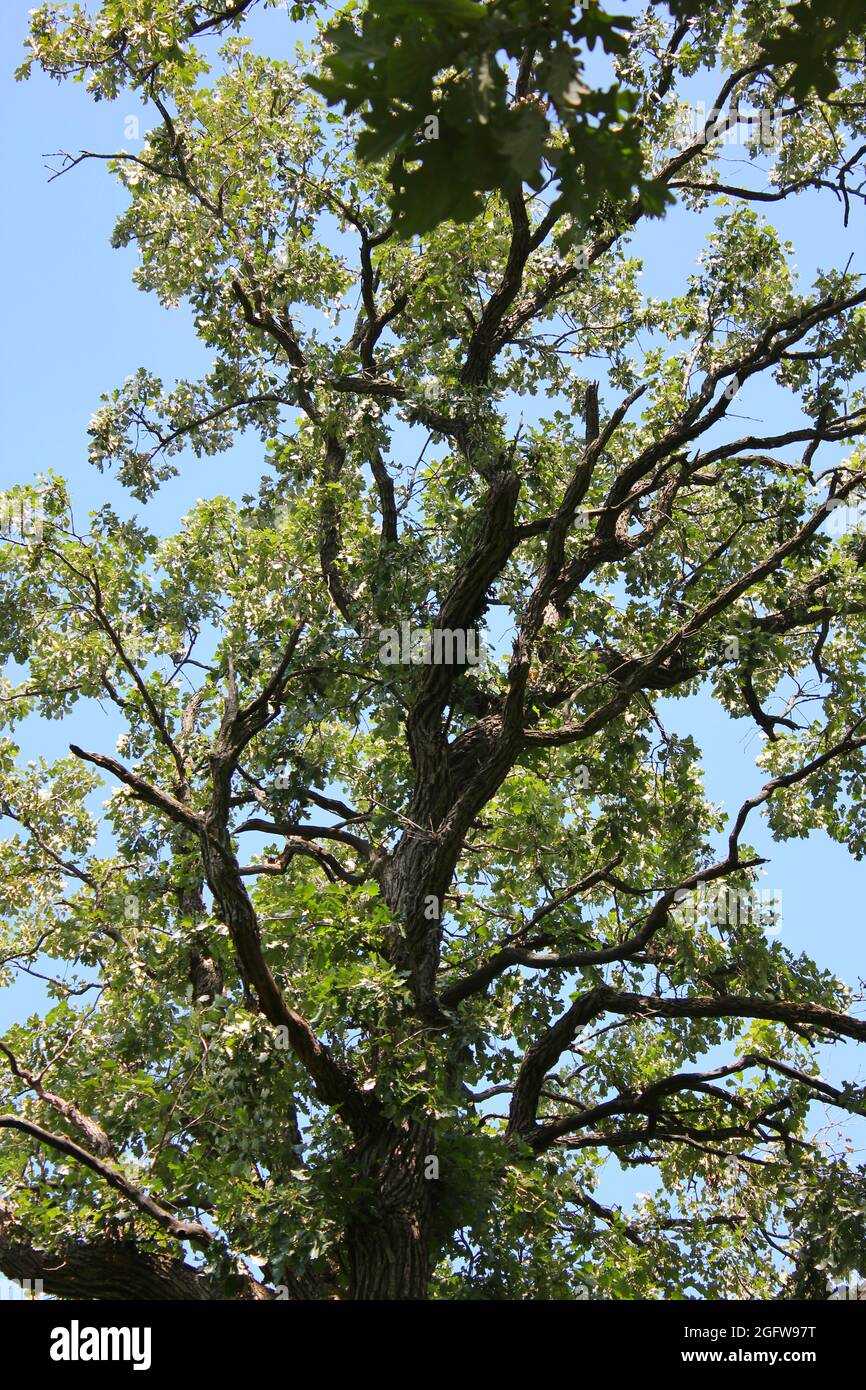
{"x": 388, "y": 1241}
{"x": 112, "y": 1270}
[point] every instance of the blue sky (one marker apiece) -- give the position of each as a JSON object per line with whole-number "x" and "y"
{"x": 75, "y": 327}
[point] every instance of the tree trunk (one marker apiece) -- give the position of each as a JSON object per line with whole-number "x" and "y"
{"x": 388, "y": 1239}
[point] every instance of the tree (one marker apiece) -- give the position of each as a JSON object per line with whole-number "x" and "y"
{"x": 401, "y": 62}
{"x": 379, "y": 950}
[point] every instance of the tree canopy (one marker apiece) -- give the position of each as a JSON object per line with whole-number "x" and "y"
{"x": 371, "y": 964}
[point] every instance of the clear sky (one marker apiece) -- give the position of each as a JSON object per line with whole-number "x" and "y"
{"x": 75, "y": 327}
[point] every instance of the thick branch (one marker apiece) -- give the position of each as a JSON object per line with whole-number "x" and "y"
{"x": 183, "y": 1230}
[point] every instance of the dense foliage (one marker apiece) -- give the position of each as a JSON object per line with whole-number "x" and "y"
{"x": 366, "y": 967}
